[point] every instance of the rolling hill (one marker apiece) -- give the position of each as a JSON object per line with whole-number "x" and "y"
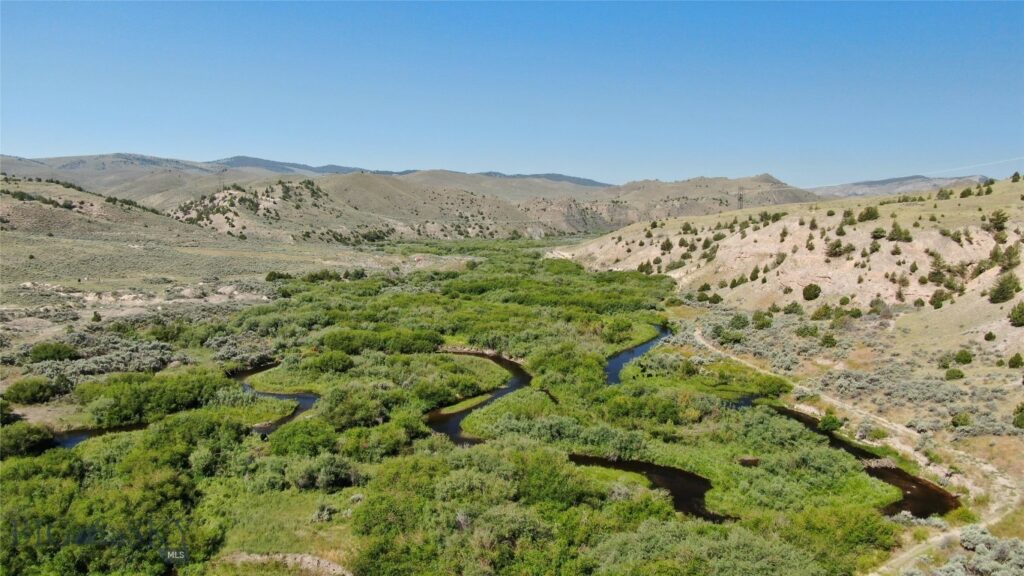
{"x": 902, "y": 185}
{"x": 246, "y": 196}
{"x": 930, "y": 248}
{"x": 59, "y": 240}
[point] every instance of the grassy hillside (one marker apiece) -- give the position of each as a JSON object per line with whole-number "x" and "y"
{"x": 59, "y": 240}
{"x": 831, "y": 243}
{"x": 356, "y": 208}
{"x": 160, "y": 183}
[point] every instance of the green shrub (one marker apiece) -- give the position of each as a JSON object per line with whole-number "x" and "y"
{"x": 274, "y": 275}
{"x": 793, "y": 308}
{"x": 739, "y": 321}
{"x": 954, "y": 374}
{"x": 869, "y": 213}
{"x": 899, "y": 234}
{"x": 6, "y": 415}
{"x": 830, "y": 422}
{"x": 52, "y": 351}
{"x": 823, "y": 312}
{"x": 330, "y": 361}
{"x": 327, "y": 472}
{"x": 828, "y": 341}
{"x": 324, "y": 275}
{"x": 1007, "y": 285}
{"x": 811, "y": 292}
{"x": 726, "y": 336}
{"x": 990, "y": 336}
{"x": 617, "y": 330}
{"x": 1017, "y": 315}
{"x": 133, "y": 398}
{"x": 1016, "y": 361}
{"x": 351, "y": 407}
{"x": 963, "y": 357}
{"x": 960, "y": 419}
{"x": 762, "y": 320}
{"x": 807, "y": 331}
{"x": 32, "y": 390}
{"x": 938, "y": 298}
{"x": 395, "y": 340}
{"x": 23, "y": 439}
{"x": 307, "y": 437}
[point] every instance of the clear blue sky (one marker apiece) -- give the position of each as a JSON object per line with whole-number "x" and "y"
{"x": 813, "y": 93}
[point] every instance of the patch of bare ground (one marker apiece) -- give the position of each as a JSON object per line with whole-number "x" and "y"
{"x": 58, "y": 415}
{"x": 303, "y": 564}
{"x": 862, "y": 358}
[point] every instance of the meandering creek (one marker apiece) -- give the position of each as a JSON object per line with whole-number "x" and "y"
{"x": 921, "y": 497}
{"x": 686, "y": 488}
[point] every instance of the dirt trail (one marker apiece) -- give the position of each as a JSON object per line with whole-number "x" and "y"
{"x": 1005, "y": 493}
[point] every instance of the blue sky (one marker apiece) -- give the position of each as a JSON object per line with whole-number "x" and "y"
{"x": 813, "y": 93}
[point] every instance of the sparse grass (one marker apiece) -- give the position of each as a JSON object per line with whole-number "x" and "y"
{"x": 1012, "y": 525}
{"x": 465, "y": 404}
{"x": 281, "y": 522}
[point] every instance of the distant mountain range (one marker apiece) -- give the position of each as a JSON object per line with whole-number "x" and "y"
{"x": 293, "y": 168}
{"x": 902, "y": 185}
{"x": 261, "y": 196}
{"x": 409, "y": 203}
{"x": 296, "y": 168}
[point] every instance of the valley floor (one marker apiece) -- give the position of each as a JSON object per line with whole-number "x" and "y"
{"x": 360, "y": 485}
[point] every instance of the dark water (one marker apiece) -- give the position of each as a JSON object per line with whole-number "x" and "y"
{"x": 451, "y": 424}
{"x": 73, "y": 438}
{"x": 613, "y": 370}
{"x": 744, "y": 401}
{"x": 305, "y": 401}
{"x": 685, "y": 488}
{"x": 921, "y": 497}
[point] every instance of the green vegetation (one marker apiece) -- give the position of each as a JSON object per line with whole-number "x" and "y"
{"x": 963, "y": 357}
{"x": 867, "y": 214}
{"x": 52, "y": 351}
{"x": 32, "y": 390}
{"x": 22, "y": 439}
{"x": 811, "y": 292}
{"x": 1006, "y": 287}
{"x": 362, "y": 473}
{"x": 1017, "y": 314}
{"x": 123, "y": 399}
